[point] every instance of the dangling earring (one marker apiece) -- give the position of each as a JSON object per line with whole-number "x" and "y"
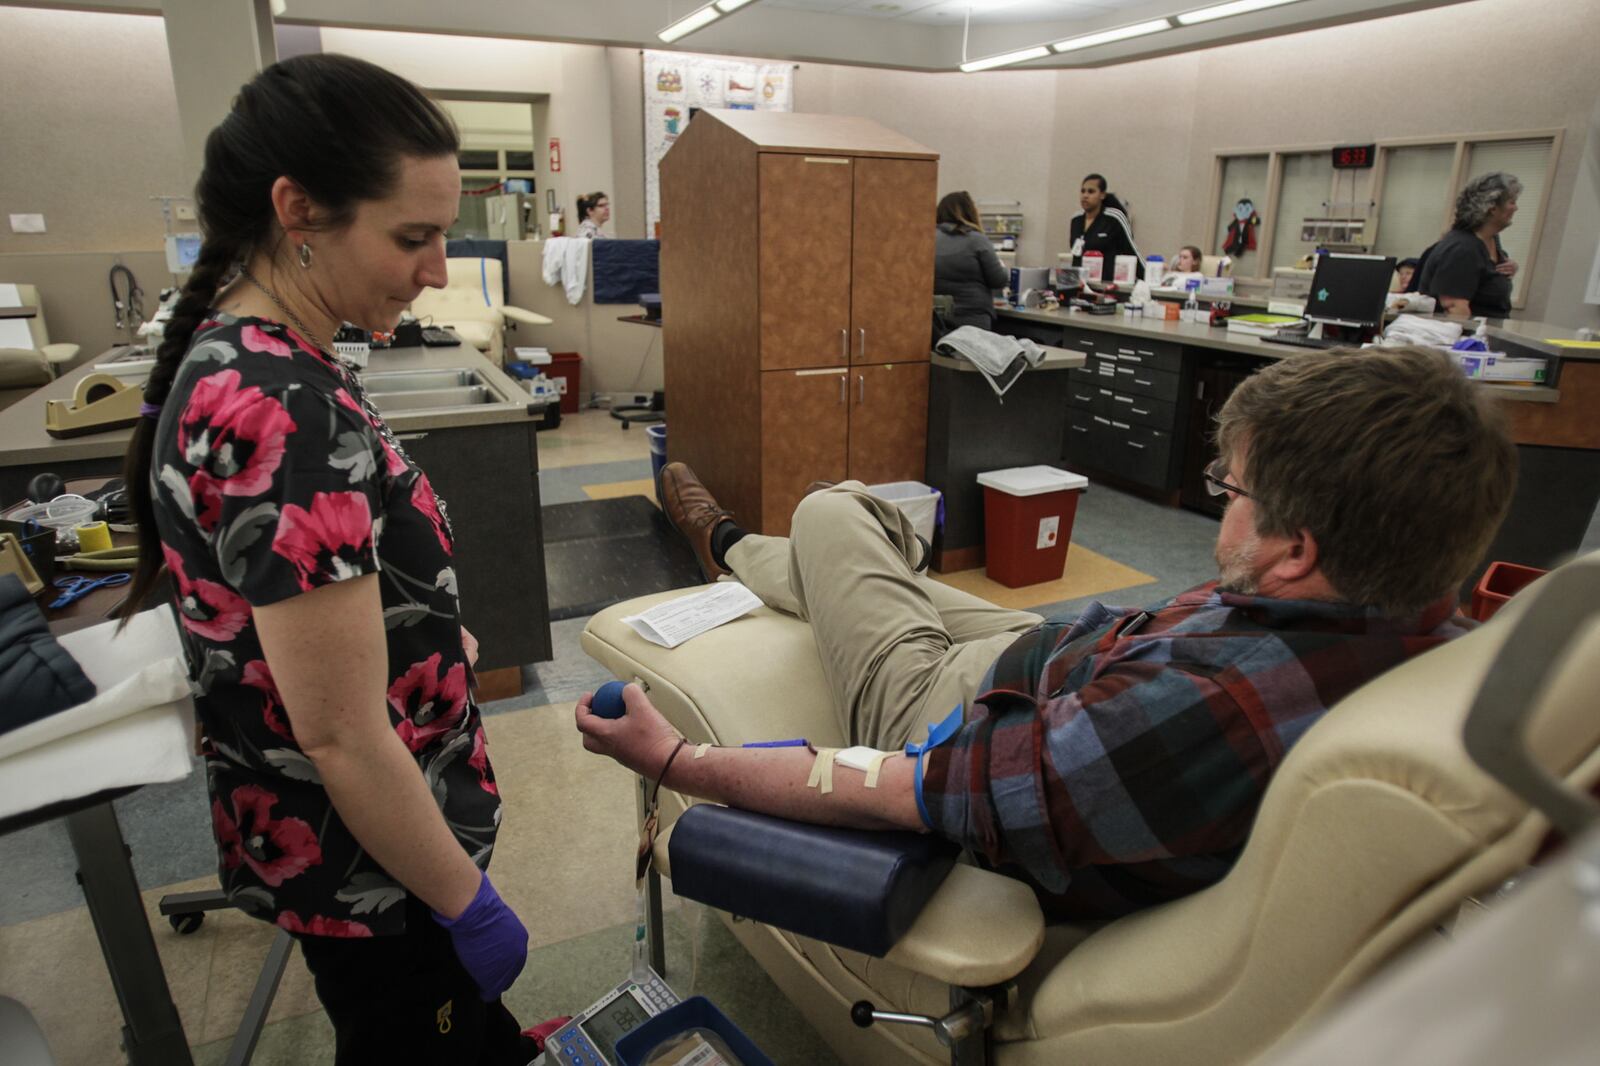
{"x": 305, "y": 255}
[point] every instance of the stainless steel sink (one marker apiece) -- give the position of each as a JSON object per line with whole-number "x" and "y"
{"x": 418, "y": 380}
{"x": 428, "y": 390}
{"x": 433, "y": 399}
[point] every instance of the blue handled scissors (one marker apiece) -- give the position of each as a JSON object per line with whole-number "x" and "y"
{"x": 76, "y": 587}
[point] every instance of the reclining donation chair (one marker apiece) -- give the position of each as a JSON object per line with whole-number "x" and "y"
{"x": 473, "y": 305}
{"x": 25, "y": 368}
{"x": 1376, "y": 827}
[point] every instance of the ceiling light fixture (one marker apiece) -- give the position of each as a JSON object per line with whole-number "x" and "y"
{"x": 727, "y": 7}
{"x": 1121, "y": 33}
{"x": 1222, "y": 11}
{"x": 694, "y": 20}
{"x": 1005, "y": 59}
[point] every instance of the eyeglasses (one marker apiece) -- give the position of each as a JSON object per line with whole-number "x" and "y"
{"x": 1217, "y": 483}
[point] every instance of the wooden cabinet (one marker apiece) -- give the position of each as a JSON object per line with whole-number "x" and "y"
{"x": 891, "y": 261}
{"x": 797, "y": 299}
{"x": 805, "y": 425}
{"x": 806, "y": 204}
{"x": 888, "y": 422}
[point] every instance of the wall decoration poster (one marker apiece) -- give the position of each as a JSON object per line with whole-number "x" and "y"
{"x": 676, "y": 82}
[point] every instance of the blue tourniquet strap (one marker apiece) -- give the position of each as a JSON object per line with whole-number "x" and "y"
{"x": 938, "y": 733}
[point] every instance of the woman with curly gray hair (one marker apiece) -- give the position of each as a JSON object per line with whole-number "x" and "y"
{"x": 1467, "y": 271}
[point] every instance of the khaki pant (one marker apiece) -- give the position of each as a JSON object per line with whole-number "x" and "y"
{"x": 899, "y": 650}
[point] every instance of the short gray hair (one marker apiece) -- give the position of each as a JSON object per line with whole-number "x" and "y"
{"x": 1483, "y": 194}
{"x": 1400, "y": 467}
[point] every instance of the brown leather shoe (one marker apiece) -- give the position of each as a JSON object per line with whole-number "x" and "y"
{"x": 690, "y": 507}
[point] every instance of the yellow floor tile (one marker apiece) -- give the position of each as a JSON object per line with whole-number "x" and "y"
{"x": 645, "y": 487}
{"x": 1087, "y": 573}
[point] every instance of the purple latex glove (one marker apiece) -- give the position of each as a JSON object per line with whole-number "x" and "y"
{"x": 490, "y": 941}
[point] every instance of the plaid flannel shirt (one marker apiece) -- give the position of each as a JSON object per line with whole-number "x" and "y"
{"x": 1117, "y": 760}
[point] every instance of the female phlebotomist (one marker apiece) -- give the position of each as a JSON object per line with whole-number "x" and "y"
{"x": 1101, "y": 226}
{"x": 351, "y": 793}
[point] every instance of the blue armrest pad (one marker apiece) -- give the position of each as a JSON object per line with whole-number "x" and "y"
{"x": 854, "y": 888}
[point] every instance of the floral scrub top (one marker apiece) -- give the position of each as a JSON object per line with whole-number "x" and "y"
{"x": 272, "y": 475}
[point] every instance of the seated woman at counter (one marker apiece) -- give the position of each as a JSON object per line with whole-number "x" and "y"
{"x": 965, "y": 265}
{"x": 1188, "y": 260}
{"x": 1468, "y": 271}
{"x": 595, "y": 210}
{"x": 1101, "y": 226}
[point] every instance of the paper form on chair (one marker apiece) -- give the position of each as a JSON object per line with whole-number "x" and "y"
{"x": 670, "y": 624}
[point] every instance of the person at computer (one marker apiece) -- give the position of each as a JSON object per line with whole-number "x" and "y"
{"x": 595, "y": 210}
{"x": 1468, "y": 270}
{"x": 1116, "y": 759}
{"x": 1404, "y": 271}
{"x": 965, "y": 266}
{"x": 1101, "y": 225}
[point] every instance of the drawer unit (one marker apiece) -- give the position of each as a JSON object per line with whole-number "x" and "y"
{"x": 1156, "y": 384}
{"x": 1086, "y": 434}
{"x": 1082, "y": 394}
{"x": 1133, "y": 407}
{"x": 1157, "y": 355}
{"x": 1138, "y": 453}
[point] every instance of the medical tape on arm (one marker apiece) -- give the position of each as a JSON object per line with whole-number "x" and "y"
{"x": 868, "y": 760}
{"x": 700, "y": 751}
{"x": 822, "y": 770}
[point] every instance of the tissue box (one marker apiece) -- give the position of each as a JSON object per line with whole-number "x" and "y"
{"x": 1492, "y": 366}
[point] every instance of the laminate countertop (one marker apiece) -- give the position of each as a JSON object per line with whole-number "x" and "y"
{"x": 23, "y": 440}
{"x": 1217, "y": 338}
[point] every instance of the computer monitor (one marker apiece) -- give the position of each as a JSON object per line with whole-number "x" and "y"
{"x": 1350, "y": 290}
{"x": 183, "y": 250}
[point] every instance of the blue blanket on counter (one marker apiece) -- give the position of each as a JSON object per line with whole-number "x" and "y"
{"x": 623, "y": 270}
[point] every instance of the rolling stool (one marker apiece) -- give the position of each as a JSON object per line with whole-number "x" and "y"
{"x": 642, "y": 414}
{"x": 186, "y": 911}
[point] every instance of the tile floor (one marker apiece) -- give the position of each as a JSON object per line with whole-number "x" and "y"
{"x": 579, "y": 915}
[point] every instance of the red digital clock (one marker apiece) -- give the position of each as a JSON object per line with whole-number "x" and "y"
{"x": 1355, "y": 156}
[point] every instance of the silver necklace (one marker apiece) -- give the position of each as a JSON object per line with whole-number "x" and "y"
{"x": 294, "y": 319}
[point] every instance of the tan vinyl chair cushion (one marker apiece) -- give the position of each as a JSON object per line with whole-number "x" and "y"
{"x": 1373, "y": 830}
{"x": 461, "y": 305}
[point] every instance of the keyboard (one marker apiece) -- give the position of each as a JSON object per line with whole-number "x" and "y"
{"x": 1297, "y": 341}
{"x": 439, "y": 337}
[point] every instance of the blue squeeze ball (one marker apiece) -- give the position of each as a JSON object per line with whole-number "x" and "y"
{"x": 607, "y": 702}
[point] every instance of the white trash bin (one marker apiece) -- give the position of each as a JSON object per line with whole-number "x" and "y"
{"x": 919, "y": 502}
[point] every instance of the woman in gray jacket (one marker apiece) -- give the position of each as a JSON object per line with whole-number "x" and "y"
{"x": 964, "y": 264}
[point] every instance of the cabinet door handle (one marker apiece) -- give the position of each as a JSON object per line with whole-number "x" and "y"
{"x": 844, "y": 344}
{"x": 1134, "y": 444}
{"x": 843, "y": 394}
{"x": 862, "y": 350}
{"x": 1138, "y": 410}
{"x": 1142, "y": 381}
{"x": 409, "y": 436}
{"x": 861, "y": 389}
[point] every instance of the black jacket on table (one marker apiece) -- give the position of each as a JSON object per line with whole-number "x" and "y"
{"x": 966, "y": 268}
{"x": 37, "y": 676}
{"x": 1111, "y": 235}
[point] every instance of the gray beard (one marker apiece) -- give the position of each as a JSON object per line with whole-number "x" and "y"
{"x": 1237, "y": 567}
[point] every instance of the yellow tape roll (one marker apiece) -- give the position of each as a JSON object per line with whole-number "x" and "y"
{"x": 94, "y": 537}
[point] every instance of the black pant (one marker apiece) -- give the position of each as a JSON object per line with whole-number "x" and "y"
{"x": 407, "y": 999}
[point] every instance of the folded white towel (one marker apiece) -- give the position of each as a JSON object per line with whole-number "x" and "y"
{"x": 999, "y": 358}
{"x": 136, "y": 731}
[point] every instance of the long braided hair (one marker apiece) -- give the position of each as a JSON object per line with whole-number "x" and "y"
{"x": 337, "y": 126}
